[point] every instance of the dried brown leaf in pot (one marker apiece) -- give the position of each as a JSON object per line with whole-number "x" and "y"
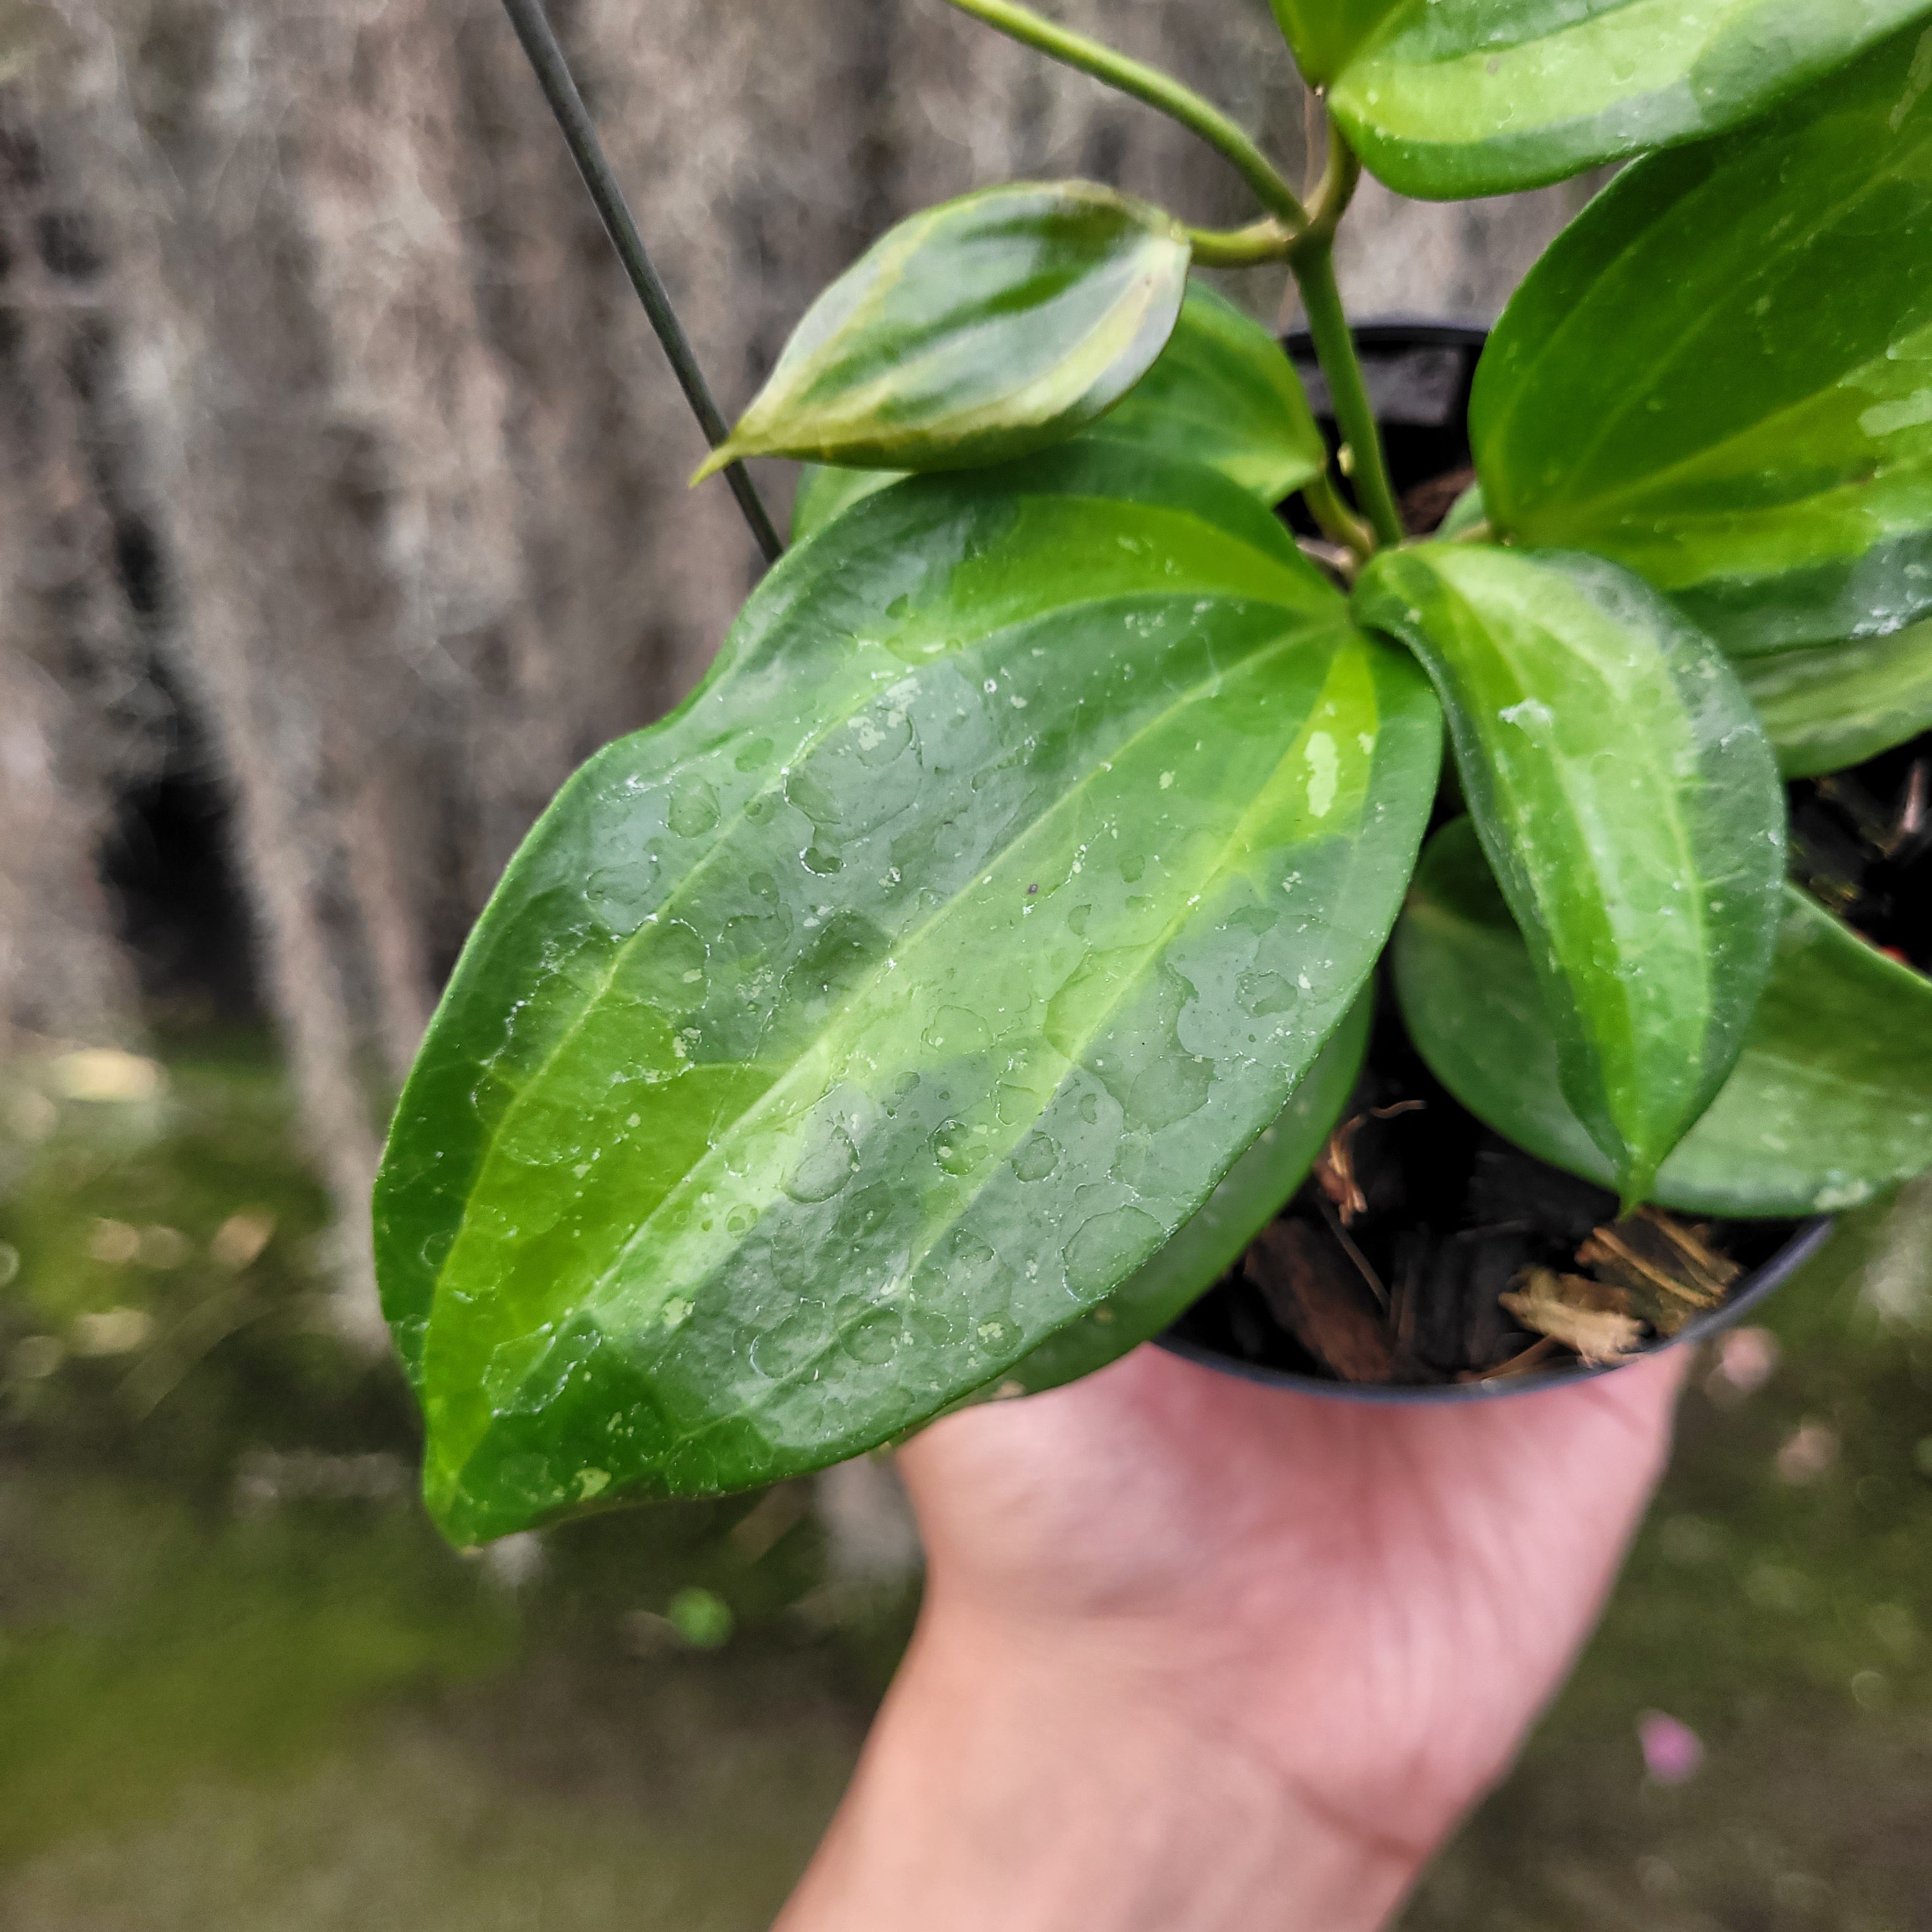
{"x": 1583, "y": 1314}
{"x": 1664, "y": 1265}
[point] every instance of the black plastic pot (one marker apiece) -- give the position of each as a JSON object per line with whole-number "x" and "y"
{"x": 1751, "y": 1290}
{"x": 1419, "y": 375}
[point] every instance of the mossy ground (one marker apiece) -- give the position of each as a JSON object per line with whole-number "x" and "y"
{"x": 242, "y": 1685}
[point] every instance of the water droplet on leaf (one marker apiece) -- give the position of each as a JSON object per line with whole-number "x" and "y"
{"x": 1108, "y": 1247}
{"x": 956, "y": 1147}
{"x": 693, "y": 807}
{"x": 1038, "y": 1155}
{"x": 830, "y": 1164}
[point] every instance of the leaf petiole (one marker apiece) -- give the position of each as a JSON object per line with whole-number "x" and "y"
{"x": 1337, "y": 521}
{"x": 1265, "y": 241}
{"x": 1160, "y": 91}
{"x": 1348, "y": 392}
{"x": 1341, "y": 175}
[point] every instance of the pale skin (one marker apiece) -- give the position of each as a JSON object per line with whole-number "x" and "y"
{"x": 1197, "y": 1655}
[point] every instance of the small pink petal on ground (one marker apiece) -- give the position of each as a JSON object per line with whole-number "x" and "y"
{"x": 1673, "y": 1753}
{"x": 1808, "y": 1452}
{"x": 1746, "y": 1360}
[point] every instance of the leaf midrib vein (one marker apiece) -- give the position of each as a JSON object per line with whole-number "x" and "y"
{"x": 1264, "y": 792}
{"x": 1308, "y": 627}
{"x": 1663, "y": 782}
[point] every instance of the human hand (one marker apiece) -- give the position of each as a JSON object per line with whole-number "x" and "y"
{"x": 1195, "y": 1652}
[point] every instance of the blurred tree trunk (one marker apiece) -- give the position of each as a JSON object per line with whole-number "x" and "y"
{"x": 327, "y": 412}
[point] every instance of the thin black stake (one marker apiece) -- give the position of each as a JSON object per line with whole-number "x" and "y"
{"x": 552, "y": 71}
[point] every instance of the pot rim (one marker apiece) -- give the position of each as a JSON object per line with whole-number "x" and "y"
{"x": 1756, "y": 1286}
{"x": 1397, "y": 331}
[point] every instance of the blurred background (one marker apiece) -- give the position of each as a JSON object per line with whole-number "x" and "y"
{"x": 341, "y": 514}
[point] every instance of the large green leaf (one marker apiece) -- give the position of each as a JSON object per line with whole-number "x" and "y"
{"x": 825, "y": 491}
{"x": 1630, "y": 803}
{"x": 1251, "y": 1194}
{"x": 1460, "y": 97}
{"x": 1721, "y": 373}
{"x": 1221, "y": 393}
{"x": 1824, "y": 710}
{"x": 1831, "y": 1102}
{"x": 1322, "y": 33}
{"x": 1224, "y": 394}
{"x": 831, "y": 1045}
{"x": 981, "y": 330}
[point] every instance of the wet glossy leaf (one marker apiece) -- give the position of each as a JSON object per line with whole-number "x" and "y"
{"x": 831, "y": 1045}
{"x": 1831, "y": 1102}
{"x": 1827, "y": 710}
{"x": 1721, "y": 373}
{"x": 1250, "y": 1195}
{"x": 981, "y": 330}
{"x": 1322, "y": 33}
{"x": 1482, "y": 97}
{"x": 825, "y": 490}
{"x": 1221, "y": 393}
{"x": 1630, "y": 804}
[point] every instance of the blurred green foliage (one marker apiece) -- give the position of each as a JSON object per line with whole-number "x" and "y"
{"x": 244, "y": 1685}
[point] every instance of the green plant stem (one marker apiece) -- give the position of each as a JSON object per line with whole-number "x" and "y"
{"x": 1158, "y": 90}
{"x": 1336, "y": 520}
{"x": 1348, "y": 393}
{"x": 553, "y": 76}
{"x": 1341, "y": 174}
{"x": 1260, "y": 241}
{"x": 1311, "y": 256}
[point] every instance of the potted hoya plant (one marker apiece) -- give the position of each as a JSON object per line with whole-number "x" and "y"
{"x": 1060, "y": 864}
